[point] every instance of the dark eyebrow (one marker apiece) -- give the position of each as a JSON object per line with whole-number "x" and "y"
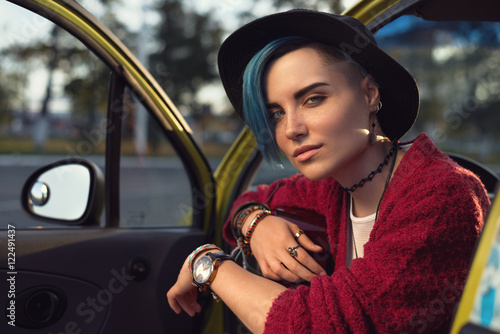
{"x": 270, "y": 106}
{"x": 305, "y": 90}
{"x": 299, "y": 94}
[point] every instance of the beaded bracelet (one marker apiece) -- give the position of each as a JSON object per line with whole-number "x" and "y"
{"x": 251, "y": 229}
{"x": 243, "y": 216}
{"x": 240, "y": 238}
{"x": 240, "y": 215}
{"x": 197, "y": 251}
{"x": 242, "y": 207}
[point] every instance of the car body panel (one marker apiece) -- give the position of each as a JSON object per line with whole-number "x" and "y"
{"x": 240, "y": 157}
{"x": 489, "y": 240}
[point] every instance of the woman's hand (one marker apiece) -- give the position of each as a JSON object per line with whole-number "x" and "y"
{"x": 183, "y": 295}
{"x": 270, "y": 242}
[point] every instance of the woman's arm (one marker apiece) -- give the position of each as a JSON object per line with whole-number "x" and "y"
{"x": 250, "y": 297}
{"x": 273, "y": 235}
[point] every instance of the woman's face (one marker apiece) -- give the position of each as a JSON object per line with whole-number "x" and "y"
{"x": 322, "y": 114}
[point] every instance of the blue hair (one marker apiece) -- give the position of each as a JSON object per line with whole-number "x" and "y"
{"x": 255, "y": 111}
{"x": 254, "y": 105}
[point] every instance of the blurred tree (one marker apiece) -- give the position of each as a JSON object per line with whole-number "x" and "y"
{"x": 24, "y": 56}
{"x": 85, "y": 77}
{"x": 11, "y": 84}
{"x": 185, "y": 58}
{"x": 332, "y": 6}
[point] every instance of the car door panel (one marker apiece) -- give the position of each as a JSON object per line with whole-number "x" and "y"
{"x": 38, "y": 309}
{"x": 112, "y": 280}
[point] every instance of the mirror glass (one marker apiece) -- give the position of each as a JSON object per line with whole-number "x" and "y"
{"x": 61, "y": 192}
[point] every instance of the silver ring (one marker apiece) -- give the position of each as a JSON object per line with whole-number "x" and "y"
{"x": 293, "y": 251}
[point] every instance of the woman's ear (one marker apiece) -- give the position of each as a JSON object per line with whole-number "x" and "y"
{"x": 372, "y": 93}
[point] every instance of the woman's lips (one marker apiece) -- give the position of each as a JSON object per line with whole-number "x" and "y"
{"x": 305, "y": 153}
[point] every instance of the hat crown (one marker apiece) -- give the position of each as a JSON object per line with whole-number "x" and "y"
{"x": 360, "y": 28}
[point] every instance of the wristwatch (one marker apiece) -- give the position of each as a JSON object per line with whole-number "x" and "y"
{"x": 205, "y": 268}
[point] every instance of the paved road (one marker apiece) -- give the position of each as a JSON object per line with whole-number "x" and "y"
{"x": 156, "y": 195}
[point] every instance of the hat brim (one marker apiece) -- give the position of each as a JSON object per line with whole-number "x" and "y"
{"x": 398, "y": 89}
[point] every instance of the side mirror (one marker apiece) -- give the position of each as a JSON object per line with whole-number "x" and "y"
{"x": 70, "y": 191}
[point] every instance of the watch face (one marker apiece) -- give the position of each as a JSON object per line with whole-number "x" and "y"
{"x": 202, "y": 269}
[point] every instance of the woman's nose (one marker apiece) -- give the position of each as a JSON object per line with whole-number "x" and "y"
{"x": 295, "y": 127}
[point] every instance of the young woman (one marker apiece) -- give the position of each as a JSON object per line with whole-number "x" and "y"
{"x": 402, "y": 218}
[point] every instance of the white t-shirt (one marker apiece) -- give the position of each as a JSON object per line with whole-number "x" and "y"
{"x": 361, "y": 228}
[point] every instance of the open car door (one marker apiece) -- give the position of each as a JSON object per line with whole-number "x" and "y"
{"x": 110, "y": 210}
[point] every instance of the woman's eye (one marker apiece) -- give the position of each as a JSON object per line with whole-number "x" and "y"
{"x": 315, "y": 100}
{"x": 277, "y": 114}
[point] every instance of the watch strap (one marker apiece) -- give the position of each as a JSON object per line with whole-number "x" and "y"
{"x": 220, "y": 256}
{"x": 217, "y": 259}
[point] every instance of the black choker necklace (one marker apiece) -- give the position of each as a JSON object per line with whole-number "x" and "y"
{"x": 372, "y": 173}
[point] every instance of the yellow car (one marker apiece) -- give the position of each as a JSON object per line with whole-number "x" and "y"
{"x": 102, "y": 199}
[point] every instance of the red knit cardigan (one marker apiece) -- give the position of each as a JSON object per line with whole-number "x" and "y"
{"x": 415, "y": 262}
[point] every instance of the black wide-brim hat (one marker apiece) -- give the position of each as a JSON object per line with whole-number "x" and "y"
{"x": 398, "y": 89}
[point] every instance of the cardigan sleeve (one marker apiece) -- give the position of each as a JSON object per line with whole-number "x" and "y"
{"x": 293, "y": 192}
{"x": 414, "y": 267}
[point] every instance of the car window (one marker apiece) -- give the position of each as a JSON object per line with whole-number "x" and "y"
{"x": 54, "y": 95}
{"x": 155, "y": 190}
{"x": 456, "y": 65}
